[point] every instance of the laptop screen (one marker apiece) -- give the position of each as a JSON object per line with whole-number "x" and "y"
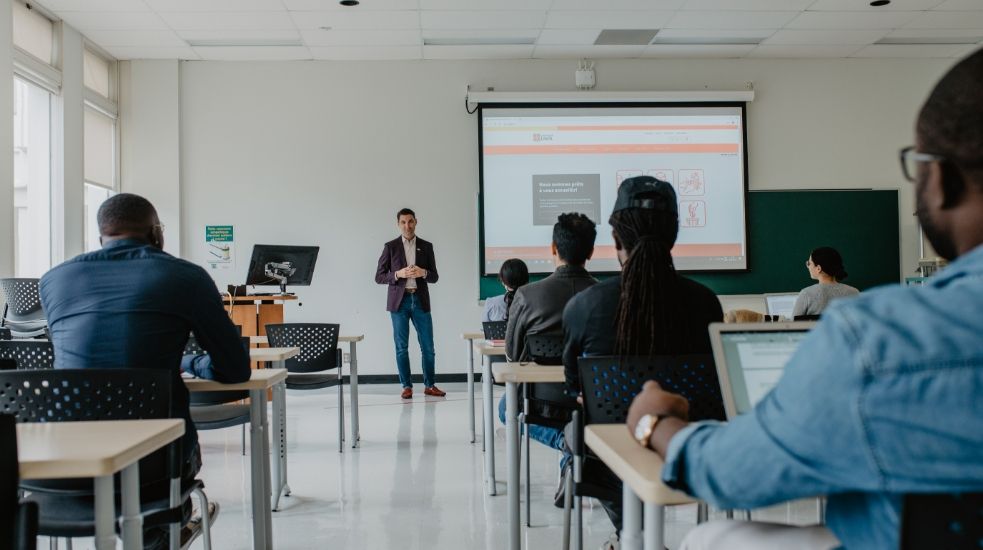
{"x": 755, "y": 360}
{"x": 781, "y": 304}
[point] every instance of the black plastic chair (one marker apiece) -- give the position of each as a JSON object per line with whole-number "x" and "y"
{"x": 65, "y": 395}
{"x": 18, "y": 520}
{"x": 22, "y": 312}
{"x": 543, "y": 404}
{"x": 494, "y": 330}
{"x": 609, "y": 384}
{"x": 952, "y": 522}
{"x": 216, "y": 410}
{"x": 319, "y": 354}
{"x": 29, "y": 354}
{"x": 5, "y": 334}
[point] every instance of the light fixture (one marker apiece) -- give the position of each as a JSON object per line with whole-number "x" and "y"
{"x": 879, "y": 3}
{"x": 349, "y": 3}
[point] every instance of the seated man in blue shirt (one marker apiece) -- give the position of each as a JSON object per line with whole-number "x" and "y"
{"x": 883, "y": 398}
{"x": 132, "y": 305}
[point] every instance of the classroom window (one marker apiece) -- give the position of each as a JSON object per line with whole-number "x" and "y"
{"x": 97, "y": 73}
{"x": 32, "y": 179}
{"x": 33, "y": 33}
{"x": 95, "y": 195}
{"x": 100, "y": 169}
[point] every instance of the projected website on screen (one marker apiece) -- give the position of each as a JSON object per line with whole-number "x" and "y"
{"x": 540, "y": 162}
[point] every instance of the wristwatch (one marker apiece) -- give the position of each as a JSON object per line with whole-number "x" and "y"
{"x": 643, "y": 430}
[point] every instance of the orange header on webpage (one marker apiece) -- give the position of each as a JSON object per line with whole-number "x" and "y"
{"x": 603, "y": 149}
{"x": 609, "y": 252}
{"x": 611, "y": 127}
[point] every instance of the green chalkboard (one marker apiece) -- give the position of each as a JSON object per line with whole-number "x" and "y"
{"x": 784, "y": 226}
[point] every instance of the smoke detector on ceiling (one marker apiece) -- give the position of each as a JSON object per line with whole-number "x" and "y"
{"x": 584, "y": 77}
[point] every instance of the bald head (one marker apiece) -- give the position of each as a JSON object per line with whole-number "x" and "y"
{"x": 129, "y": 216}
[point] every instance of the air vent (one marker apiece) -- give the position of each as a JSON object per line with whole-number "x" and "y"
{"x": 625, "y": 37}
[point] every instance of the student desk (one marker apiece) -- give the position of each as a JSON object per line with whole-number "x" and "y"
{"x": 52, "y": 450}
{"x": 352, "y": 340}
{"x": 471, "y": 337}
{"x": 640, "y": 470}
{"x": 488, "y": 407}
{"x": 259, "y": 455}
{"x": 514, "y": 374}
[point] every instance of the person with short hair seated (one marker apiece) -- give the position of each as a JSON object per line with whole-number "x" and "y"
{"x": 132, "y": 305}
{"x": 882, "y": 398}
{"x": 826, "y": 266}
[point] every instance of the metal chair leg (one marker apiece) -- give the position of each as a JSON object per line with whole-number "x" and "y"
{"x": 567, "y": 507}
{"x": 702, "y": 512}
{"x": 68, "y": 544}
{"x": 243, "y": 440}
{"x": 52, "y": 543}
{"x": 206, "y": 520}
{"x": 341, "y": 417}
{"x": 578, "y": 530}
{"x": 528, "y": 475}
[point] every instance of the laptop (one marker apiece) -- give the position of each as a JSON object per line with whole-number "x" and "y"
{"x": 750, "y": 359}
{"x": 781, "y": 304}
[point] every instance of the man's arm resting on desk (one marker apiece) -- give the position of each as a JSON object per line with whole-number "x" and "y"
{"x": 229, "y": 360}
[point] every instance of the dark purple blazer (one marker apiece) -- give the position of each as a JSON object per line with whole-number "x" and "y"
{"x": 393, "y": 259}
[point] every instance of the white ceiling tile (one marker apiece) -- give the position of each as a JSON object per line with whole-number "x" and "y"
{"x": 908, "y": 50}
{"x": 341, "y": 37}
{"x": 369, "y": 53}
{"x": 215, "y": 5}
{"x": 213, "y": 21}
{"x": 242, "y": 36}
{"x": 378, "y": 20}
{"x": 159, "y": 39}
{"x": 936, "y": 33}
{"x": 480, "y": 34}
{"x": 730, "y": 19}
{"x": 842, "y": 20}
{"x": 94, "y": 5}
{"x": 259, "y": 53}
{"x": 640, "y": 5}
{"x": 371, "y": 5}
{"x": 485, "y": 5}
{"x": 967, "y": 5}
{"x": 138, "y": 52}
{"x": 722, "y": 51}
{"x": 592, "y": 52}
{"x": 607, "y": 19}
{"x": 482, "y": 19}
{"x": 860, "y": 5}
{"x": 825, "y": 37}
{"x": 714, "y": 34}
{"x": 121, "y": 21}
{"x": 571, "y": 37}
{"x": 477, "y": 52}
{"x": 747, "y": 5}
{"x": 800, "y": 51}
{"x": 947, "y": 20}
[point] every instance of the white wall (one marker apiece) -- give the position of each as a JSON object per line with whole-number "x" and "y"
{"x": 6, "y": 142}
{"x": 325, "y": 153}
{"x": 150, "y": 162}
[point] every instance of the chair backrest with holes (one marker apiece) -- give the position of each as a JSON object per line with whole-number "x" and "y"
{"x": 318, "y": 343}
{"x": 29, "y": 354}
{"x": 22, "y": 314}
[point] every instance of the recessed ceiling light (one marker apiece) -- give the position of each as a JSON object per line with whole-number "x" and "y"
{"x": 875, "y": 3}
{"x": 349, "y": 3}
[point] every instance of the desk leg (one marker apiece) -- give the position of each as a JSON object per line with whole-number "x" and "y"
{"x": 267, "y": 479}
{"x": 471, "y": 386}
{"x": 489, "y": 435}
{"x": 105, "y": 513}
{"x": 654, "y": 526}
{"x": 353, "y": 388}
{"x": 512, "y": 450}
{"x": 257, "y": 450}
{"x": 279, "y": 444}
{"x": 631, "y": 514}
{"x": 132, "y": 520}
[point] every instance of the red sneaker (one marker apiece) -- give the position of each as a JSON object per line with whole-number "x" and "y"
{"x": 407, "y": 393}
{"x": 434, "y": 391}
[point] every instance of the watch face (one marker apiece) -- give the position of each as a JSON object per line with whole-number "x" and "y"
{"x": 642, "y": 427}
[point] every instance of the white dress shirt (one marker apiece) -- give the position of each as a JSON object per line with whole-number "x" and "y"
{"x": 409, "y": 247}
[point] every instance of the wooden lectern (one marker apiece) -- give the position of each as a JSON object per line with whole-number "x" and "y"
{"x": 253, "y": 313}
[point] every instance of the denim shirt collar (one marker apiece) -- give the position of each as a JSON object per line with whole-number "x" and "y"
{"x": 970, "y": 263}
{"x": 124, "y": 242}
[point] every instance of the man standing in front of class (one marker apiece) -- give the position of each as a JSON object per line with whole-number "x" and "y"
{"x": 407, "y": 265}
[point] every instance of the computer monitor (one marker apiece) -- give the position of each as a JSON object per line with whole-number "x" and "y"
{"x": 781, "y": 304}
{"x": 750, "y": 359}
{"x": 278, "y": 265}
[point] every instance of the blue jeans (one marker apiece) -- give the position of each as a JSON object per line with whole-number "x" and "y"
{"x": 551, "y": 437}
{"x": 410, "y": 310}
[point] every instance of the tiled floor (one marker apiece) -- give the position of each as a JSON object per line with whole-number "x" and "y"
{"x": 414, "y": 483}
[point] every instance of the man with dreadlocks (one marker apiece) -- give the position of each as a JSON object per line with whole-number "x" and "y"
{"x": 649, "y": 309}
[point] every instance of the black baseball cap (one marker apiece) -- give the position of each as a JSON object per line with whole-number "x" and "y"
{"x": 664, "y": 196}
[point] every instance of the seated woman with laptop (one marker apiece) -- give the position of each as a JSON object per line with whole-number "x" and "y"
{"x": 826, "y": 266}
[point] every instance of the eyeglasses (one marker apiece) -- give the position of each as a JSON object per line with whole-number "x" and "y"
{"x": 910, "y": 159}
{"x": 160, "y": 225}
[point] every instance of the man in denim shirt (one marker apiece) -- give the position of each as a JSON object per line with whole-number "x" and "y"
{"x": 883, "y": 398}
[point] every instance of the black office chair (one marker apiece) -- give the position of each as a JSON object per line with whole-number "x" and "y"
{"x": 319, "y": 354}
{"x": 18, "y": 520}
{"x": 5, "y": 334}
{"x": 22, "y": 312}
{"x": 29, "y": 354}
{"x": 543, "y": 404}
{"x": 952, "y": 522}
{"x": 494, "y": 330}
{"x": 608, "y": 384}
{"x": 216, "y": 410}
{"x": 806, "y": 317}
{"x": 65, "y": 395}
